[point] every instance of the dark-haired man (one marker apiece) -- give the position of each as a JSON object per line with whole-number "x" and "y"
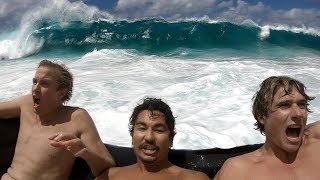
{"x": 51, "y": 134}
{"x": 152, "y": 127}
{"x": 291, "y": 149}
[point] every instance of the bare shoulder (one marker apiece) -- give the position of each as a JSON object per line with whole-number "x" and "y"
{"x": 81, "y": 119}
{"x": 125, "y": 172}
{"x": 25, "y": 99}
{"x": 79, "y": 114}
{"x": 21, "y": 100}
{"x": 13, "y": 108}
{"x": 77, "y": 111}
{"x": 313, "y": 130}
{"x": 110, "y": 173}
{"x": 235, "y": 167}
{"x": 115, "y": 170}
{"x": 191, "y": 174}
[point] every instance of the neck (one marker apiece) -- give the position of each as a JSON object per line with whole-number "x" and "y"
{"x": 279, "y": 153}
{"x": 47, "y": 116}
{"x": 153, "y": 167}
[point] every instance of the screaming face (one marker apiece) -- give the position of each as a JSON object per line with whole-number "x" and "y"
{"x": 45, "y": 95}
{"x": 286, "y": 120}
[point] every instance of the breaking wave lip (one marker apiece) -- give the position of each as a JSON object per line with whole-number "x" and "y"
{"x": 18, "y": 48}
{"x": 60, "y": 11}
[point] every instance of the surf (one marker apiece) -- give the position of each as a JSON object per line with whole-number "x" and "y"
{"x": 154, "y": 36}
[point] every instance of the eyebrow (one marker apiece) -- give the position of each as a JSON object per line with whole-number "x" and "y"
{"x": 140, "y": 123}
{"x": 156, "y": 125}
{"x": 290, "y": 101}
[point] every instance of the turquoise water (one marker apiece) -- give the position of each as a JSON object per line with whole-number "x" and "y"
{"x": 159, "y": 37}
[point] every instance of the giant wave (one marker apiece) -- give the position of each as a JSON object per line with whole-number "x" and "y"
{"x": 157, "y": 36}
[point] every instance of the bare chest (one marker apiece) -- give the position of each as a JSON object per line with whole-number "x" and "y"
{"x": 133, "y": 175}
{"x": 305, "y": 169}
{"x": 146, "y": 177}
{"x": 33, "y": 144}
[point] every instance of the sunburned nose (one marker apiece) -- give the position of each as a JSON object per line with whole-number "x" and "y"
{"x": 297, "y": 112}
{"x": 35, "y": 87}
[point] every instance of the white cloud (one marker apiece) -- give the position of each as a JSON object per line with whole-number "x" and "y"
{"x": 11, "y": 11}
{"x": 243, "y": 11}
{"x": 164, "y": 8}
{"x": 264, "y": 15}
{"x": 3, "y": 9}
{"x": 296, "y": 17}
{"x": 225, "y": 4}
{"x": 16, "y": 6}
{"x": 233, "y": 11}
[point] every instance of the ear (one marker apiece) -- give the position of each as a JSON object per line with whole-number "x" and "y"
{"x": 262, "y": 119}
{"x": 61, "y": 93}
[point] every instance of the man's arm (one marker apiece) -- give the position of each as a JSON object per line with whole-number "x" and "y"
{"x": 313, "y": 130}
{"x": 88, "y": 146}
{"x": 12, "y": 108}
{"x": 96, "y": 154}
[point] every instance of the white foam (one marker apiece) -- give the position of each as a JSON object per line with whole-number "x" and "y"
{"x": 20, "y": 47}
{"x": 265, "y": 30}
{"x": 211, "y": 99}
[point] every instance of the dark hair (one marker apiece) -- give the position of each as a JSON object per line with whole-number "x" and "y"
{"x": 65, "y": 78}
{"x": 153, "y": 104}
{"x": 263, "y": 99}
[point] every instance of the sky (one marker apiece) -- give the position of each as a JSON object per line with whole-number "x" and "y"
{"x": 275, "y": 4}
{"x": 296, "y": 13}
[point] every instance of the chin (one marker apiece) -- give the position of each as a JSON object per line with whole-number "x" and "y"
{"x": 148, "y": 160}
{"x": 292, "y": 148}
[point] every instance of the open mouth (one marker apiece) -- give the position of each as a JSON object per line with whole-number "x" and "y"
{"x": 293, "y": 131}
{"x": 36, "y": 101}
{"x": 149, "y": 149}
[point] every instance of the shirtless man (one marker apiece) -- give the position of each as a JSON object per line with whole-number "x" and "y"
{"x": 51, "y": 134}
{"x": 152, "y": 131}
{"x": 291, "y": 149}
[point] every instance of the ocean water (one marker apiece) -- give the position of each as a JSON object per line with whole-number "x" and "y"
{"x": 206, "y": 70}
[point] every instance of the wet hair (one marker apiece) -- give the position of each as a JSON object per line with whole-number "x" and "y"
{"x": 64, "y": 77}
{"x": 153, "y": 104}
{"x": 263, "y": 99}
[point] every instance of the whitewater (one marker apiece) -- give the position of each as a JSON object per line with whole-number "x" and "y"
{"x": 207, "y": 71}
